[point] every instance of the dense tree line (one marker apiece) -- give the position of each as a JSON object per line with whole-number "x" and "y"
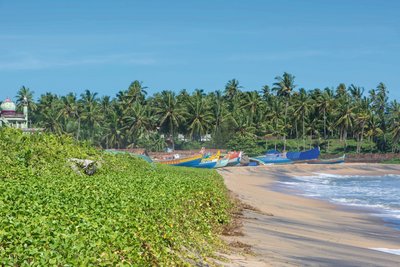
{"x": 231, "y": 116}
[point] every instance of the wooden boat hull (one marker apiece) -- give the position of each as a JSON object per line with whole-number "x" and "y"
{"x": 221, "y": 163}
{"x": 216, "y": 156}
{"x": 191, "y": 163}
{"x": 206, "y": 165}
{"x": 256, "y": 160}
{"x": 328, "y": 161}
{"x": 184, "y": 162}
{"x": 234, "y": 158}
{"x": 270, "y": 160}
{"x": 233, "y": 162}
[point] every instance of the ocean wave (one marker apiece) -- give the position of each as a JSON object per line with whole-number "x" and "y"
{"x": 321, "y": 175}
{"x": 380, "y": 195}
{"x": 388, "y": 250}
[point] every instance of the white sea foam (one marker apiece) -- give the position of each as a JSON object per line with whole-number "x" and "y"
{"x": 388, "y": 250}
{"x": 288, "y": 183}
{"x": 379, "y": 194}
{"x": 321, "y": 175}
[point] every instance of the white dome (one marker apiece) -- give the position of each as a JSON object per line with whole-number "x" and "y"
{"x": 8, "y": 105}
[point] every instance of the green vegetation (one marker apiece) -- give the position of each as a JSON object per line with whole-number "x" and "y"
{"x": 392, "y": 161}
{"x": 280, "y": 113}
{"x": 129, "y": 212}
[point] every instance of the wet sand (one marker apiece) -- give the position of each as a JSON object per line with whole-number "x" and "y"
{"x": 290, "y": 230}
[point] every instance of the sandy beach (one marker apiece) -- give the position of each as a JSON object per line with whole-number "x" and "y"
{"x": 291, "y": 230}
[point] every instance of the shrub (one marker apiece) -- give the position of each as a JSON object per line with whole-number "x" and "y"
{"x": 129, "y": 212}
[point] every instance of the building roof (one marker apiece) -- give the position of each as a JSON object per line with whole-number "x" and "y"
{"x": 8, "y": 105}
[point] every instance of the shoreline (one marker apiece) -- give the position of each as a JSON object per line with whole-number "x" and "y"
{"x": 373, "y": 213}
{"x": 304, "y": 230}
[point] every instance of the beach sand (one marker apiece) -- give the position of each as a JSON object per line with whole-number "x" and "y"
{"x": 291, "y": 230}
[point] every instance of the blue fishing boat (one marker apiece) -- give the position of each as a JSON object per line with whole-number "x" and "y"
{"x": 206, "y": 165}
{"x": 328, "y": 161}
{"x": 305, "y": 156}
{"x": 221, "y": 163}
{"x": 184, "y": 162}
{"x": 190, "y": 163}
{"x": 278, "y": 158}
{"x": 255, "y": 162}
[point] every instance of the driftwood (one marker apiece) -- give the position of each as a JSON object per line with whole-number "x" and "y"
{"x": 86, "y": 166}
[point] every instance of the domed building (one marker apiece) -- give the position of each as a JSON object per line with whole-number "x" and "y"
{"x": 10, "y": 117}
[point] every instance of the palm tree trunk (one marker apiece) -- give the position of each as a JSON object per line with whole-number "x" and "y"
{"x": 172, "y": 138}
{"x": 324, "y": 124}
{"x": 79, "y": 129}
{"x": 304, "y": 141}
{"x": 362, "y": 136}
{"x": 284, "y": 131}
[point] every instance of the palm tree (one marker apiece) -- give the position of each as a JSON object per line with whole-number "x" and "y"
{"x": 50, "y": 118}
{"x": 220, "y": 114}
{"x": 199, "y": 115}
{"x": 51, "y": 121}
{"x": 252, "y": 102}
{"x": 232, "y": 87}
{"x": 374, "y": 130}
{"x": 171, "y": 113}
{"x": 69, "y": 110}
{"x": 284, "y": 86}
{"x": 356, "y": 92}
{"x": 139, "y": 122}
{"x": 345, "y": 120}
{"x": 324, "y": 104}
{"x": 135, "y": 92}
{"x": 242, "y": 125}
{"x": 303, "y": 107}
{"x": 24, "y": 94}
{"x": 274, "y": 116}
{"x": 90, "y": 112}
{"x": 114, "y": 134}
{"x": 46, "y": 101}
{"x": 395, "y": 131}
{"x": 362, "y": 117}
{"x": 341, "y": 92}
{"x": 266, "y": 93}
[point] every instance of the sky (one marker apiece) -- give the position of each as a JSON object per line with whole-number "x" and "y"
{"x": 71, "y": 46}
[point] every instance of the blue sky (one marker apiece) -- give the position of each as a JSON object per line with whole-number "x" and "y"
{"x": 64, "y": 46}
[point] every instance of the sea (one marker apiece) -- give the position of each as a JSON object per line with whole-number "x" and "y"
{"x": 377, "y": 195}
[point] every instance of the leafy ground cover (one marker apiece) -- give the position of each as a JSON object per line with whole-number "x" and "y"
{"x": 392, "y": 161}
{"x": 128, "y": 213}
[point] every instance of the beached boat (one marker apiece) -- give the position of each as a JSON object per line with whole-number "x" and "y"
{"x": 221, "y": 163}
{"x": 273, "y": 157}
{"x": 207, "y": 158}
{"x": 304, "y": 156}
{"x": 206, "y": 165}
{"x": 337, "y": 160}
{"x": 234, "y": 158}
{"x": 142, "y": 156}
{"x": 184, "y": 162}
{"x": 255, "y": 162}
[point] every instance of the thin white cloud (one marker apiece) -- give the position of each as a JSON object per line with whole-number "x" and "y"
{"x": 273, "y": 56}
{"x": 29, "y": 62}
{"x": 293, "y": 55}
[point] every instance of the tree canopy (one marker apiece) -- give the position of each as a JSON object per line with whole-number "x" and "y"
{"x": 279, "y": 112}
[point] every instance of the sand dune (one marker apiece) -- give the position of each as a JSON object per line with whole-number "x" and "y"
{"x": 303, "y": 231}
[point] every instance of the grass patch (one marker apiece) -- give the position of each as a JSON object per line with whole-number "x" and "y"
{"x": 392, "y": 161}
